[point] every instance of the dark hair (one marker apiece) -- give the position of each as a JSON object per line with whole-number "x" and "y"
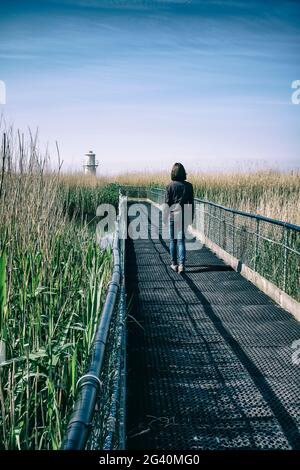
{"x": 178, "y": 172}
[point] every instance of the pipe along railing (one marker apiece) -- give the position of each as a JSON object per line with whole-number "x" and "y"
{"x": 89, "y": 385}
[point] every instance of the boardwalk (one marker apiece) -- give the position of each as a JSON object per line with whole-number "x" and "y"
{"x": 209, "y": 357}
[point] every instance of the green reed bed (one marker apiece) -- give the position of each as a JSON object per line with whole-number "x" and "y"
{"x": 53, "y": 279}
{"x": 83, "y": 194}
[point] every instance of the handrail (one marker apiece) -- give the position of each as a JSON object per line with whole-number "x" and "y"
{"x": 89, "y": 384}
{"x": 252, "y": 216}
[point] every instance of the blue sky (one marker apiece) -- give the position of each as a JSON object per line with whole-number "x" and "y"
{"x": 145, "y": 83}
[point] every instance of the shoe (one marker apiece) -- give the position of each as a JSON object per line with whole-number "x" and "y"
{"x": 181, "y": 269}
{"x": 174, "y": 267}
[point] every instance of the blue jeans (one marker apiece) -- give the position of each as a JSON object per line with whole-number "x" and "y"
{"x": 177, "y": 243}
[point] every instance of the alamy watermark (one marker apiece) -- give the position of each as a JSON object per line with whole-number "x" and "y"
{"x": 2, "y": 92}
{"x": 296, "y": 94}
{"x": 139, "y": 222}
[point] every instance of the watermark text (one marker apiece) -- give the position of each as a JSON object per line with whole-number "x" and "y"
{"x": 296, "y": 94}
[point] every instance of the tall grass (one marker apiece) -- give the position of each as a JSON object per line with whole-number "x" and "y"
{"x": 82, "y": 194}
{"x": 53, "y": 279}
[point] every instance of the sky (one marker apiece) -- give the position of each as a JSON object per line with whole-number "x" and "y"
{"x": 145, "y": 83}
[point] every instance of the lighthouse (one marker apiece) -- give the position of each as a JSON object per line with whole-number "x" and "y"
{"x": 90, "y": 164}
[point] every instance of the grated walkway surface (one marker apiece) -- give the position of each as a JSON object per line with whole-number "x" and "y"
{"x": 209, "y": 357}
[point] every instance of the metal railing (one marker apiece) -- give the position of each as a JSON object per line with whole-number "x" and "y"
{"x": 98, "y": 419}
{"x": 268, "y": 246}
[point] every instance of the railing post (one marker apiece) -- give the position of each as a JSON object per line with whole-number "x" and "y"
{"x": 224, "y": 239}
{"x": 233, "y": 234}
{"x": 220, "y": 224}
{"x": 197, "y": 217}
{"x": 256, "y": 244}
{"x": 285, "y": 242}
{"x": 208, "y": 228}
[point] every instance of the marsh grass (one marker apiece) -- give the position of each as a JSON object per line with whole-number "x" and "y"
{"x": 82, "y": 194}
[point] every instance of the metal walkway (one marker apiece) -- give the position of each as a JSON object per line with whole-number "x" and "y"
{"x": 209, "y": 357}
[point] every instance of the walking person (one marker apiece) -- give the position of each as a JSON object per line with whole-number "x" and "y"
{"x": 179, "y": 196}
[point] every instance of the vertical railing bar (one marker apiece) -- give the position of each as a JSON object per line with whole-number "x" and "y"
{"x": 285, "y": 253}
{"x": 223, "y": 228}
{"x": 256, "y": 244}
{"x": 233, "y": 234}
{"x": 220, "y": 223}
{"x": 208, "y": 228}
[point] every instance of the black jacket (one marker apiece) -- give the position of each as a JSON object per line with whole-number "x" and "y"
{"x": 178, "y": 192}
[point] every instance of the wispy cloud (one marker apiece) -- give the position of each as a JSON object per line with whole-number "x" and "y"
{"x": 157, "y": 78}
{"x": 21, "y": 56}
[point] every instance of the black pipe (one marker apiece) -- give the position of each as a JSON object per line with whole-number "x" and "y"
{"x": 89, "y": 385}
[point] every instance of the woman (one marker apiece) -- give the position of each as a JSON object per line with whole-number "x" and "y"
{"x": 179, "y": 197}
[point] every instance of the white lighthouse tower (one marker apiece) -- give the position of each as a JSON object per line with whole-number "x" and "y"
{"x": 90, "y": 164}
